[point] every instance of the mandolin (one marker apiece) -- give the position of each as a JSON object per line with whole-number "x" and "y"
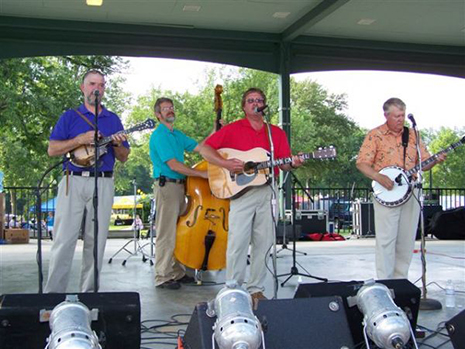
{"x": 84, "y": 155}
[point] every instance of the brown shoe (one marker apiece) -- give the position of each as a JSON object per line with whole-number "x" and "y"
{"x": 256, "y": 297}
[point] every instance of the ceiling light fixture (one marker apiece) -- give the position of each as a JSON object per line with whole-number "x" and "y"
{"x": 366, "y": 21}
{"x": 281, "y": 14}
{"x": 191, "y": 8}
{"x": 94, "y": 2}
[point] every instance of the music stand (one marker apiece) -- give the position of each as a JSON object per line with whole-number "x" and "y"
{"x": 134, "y": 240}
{"x": 150, "y": 256}
{"x": 294, "y": 270}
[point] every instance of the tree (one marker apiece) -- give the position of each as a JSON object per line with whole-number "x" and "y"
{"x": 34, "y": 92}
{"x": 451, "y": 173}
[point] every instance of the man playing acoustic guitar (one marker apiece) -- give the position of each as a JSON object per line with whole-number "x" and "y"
{"x": 395, "y": 225}
{"x": 74, "y": 129}
{"x": 250, "y": 217}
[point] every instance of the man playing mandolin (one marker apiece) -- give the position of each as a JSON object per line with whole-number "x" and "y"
{"x": 395, "y": 225}
{"x": 250, "y": 217}
{"x": 75, "y": 129}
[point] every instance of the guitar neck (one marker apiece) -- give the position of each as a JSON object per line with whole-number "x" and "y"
{"x": 283, "y": 161}
{"x": 106, "y": 140}
{"x": 433, "y": 158}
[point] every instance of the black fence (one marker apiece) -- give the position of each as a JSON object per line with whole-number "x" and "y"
{"x": 20, "y": 204}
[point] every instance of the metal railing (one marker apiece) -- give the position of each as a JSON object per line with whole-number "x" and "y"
{"x": 20, "y": 203}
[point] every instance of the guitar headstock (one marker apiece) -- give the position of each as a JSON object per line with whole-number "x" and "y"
{"x": 149, "y": 123}
{"x": 325, "y": 153}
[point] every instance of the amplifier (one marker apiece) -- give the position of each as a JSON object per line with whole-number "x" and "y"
{"x": 363, "y": 219}
{"x": 311, "y": 221}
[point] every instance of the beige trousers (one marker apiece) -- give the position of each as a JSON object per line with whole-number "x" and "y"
{"x": 250, "y": 223}
{"x": 169, "y": 204}
{"x": 68, "y": 218}
{"x": 396, "y": 229}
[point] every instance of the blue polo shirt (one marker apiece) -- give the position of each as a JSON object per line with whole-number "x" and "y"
{"x": 71, "y": 125}
{"x": 166, "y": 145}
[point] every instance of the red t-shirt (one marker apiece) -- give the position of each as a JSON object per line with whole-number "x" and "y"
{"x": 241, "y": 136}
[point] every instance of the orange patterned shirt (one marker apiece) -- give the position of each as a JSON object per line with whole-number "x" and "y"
{"x": 382, "y": 148}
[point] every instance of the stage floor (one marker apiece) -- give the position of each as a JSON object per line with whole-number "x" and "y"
{"x": 348, "y": 260}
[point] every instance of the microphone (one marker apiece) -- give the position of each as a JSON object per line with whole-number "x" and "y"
{"x": 412, "y": 119}
{"x": 96, "y": 93}
{"x": 260, "y": 109}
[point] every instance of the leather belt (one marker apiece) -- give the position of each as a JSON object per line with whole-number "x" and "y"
{"x": 104, "y": 174}
{"x": 171, "y": 180}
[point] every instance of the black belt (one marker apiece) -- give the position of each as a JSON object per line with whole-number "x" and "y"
{"x": 178, "y": 181}
{"x": 105, "y": 174}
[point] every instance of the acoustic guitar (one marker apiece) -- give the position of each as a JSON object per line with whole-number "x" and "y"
{"x": 84, "y": 155}
{"x": 256, "y": 172}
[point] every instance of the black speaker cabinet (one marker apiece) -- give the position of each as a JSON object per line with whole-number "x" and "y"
{"x": 428, "y": 213}
{"x": 407, "y": 297}
{"x": 289, "y": 232}
{"x": 309, "y": 323}
{"x": 363, "y": 219}
{"x": 311, "y": 221}
{"x": 118, "y": 323}
{"x": 456, "y": 329}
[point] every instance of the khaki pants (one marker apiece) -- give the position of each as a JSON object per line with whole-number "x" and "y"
{"x": 396, "y": 229}
{"x": 68, "y": 218}
{"x": 169, "y": 204}
{"x": 250, "y": 222}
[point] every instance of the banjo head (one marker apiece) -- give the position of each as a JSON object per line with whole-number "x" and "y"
{"x": 401, "y": 191}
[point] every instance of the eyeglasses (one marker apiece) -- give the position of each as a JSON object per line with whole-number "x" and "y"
{"x": 167, "y": 108}
{"x": 256, "y": 100}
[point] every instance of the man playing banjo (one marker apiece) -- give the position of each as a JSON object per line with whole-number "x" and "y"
{"x": 392, "y": 144}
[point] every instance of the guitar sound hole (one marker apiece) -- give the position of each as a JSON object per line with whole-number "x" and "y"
{"x": 250, "y": 168}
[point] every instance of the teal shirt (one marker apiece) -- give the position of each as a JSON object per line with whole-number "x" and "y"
{"x": 166, "y": 145}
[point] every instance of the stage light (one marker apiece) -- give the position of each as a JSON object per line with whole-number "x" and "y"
{"x": 384, "y": 322}
{"x": 70, "y": 324}
{"x": 236, "y": 326}
{"x": 94, "y": 2}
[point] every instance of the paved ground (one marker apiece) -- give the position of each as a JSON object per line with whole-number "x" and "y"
{"x": 339, "y": 261}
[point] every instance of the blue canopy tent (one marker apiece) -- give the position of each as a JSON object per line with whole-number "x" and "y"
{"x": 48, "y": 206}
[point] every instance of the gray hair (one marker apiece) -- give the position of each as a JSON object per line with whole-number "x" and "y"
{"x": 397, "y": 102}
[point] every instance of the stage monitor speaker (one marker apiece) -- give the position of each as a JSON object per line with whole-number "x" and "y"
{"x": 406, "y": 297}
{"x": 456, "y": 329}
{"x": 311, "y": 323}
{"x": 117, "y": 327}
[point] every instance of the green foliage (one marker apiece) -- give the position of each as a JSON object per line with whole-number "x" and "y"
{"x": 34, "y": 92}
{"x": 450, "y": 173}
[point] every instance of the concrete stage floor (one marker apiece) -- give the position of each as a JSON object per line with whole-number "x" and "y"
{"x": 348, "y": 260}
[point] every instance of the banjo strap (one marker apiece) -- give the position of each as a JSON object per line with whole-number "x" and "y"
{"x": 405, "y": 136}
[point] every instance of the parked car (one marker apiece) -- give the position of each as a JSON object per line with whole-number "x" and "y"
{"x": 340, "y": 213}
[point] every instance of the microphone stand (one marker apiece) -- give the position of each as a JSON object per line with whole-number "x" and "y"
{"x": 294, "y": 270}
{"x": 425, "y": 303}
{"x": 283, "y": 198}
{"x": 39, "y": 221}
{"x": 95, "y": 198}
{"x": 273, "y": 204}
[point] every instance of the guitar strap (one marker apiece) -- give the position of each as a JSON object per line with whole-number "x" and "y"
{"x": 85, "y": 118}
{"x": 405, "y": 136}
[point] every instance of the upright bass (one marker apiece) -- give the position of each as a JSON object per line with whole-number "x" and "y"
{"x": 202, "y": 231}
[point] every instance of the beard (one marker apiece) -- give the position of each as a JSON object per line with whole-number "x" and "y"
{"x": 170, "y": 119}
{"x": 91, "y": 99}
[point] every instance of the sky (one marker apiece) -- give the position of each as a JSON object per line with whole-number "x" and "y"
{"x": 434, "y": 100}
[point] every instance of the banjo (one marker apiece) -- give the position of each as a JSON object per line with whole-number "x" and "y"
{"x": 84, "y": 155}
{"x": 402, "y": 190}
